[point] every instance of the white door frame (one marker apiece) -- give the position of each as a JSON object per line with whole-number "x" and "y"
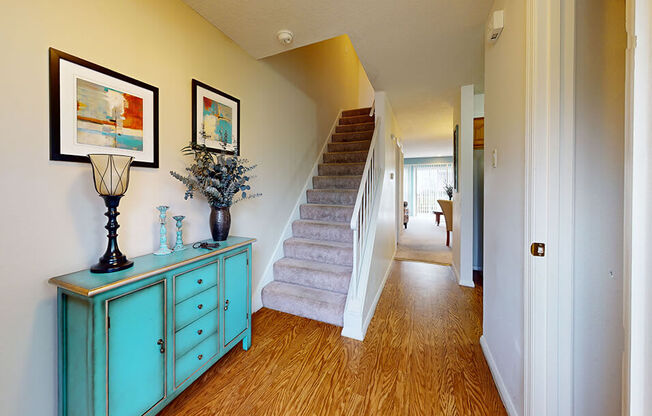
{"x": 637, "y": 304}
{"x": 549, "y": 207}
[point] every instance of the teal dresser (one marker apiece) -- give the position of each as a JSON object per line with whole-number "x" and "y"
{"x": 131, "y": 341}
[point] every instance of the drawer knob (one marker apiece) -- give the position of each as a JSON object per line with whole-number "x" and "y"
{"x": 200, "y": 306}
{"x": 199, "y": 332}
{"x": 226, "y": 304}
{"x": 200, "y": 281}
{"x": 200, "y": 356}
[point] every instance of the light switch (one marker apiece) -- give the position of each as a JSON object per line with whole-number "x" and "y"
{"x": 494, "y": 161}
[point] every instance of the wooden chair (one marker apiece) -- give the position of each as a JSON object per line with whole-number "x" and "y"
{"x": 447, "y": 209}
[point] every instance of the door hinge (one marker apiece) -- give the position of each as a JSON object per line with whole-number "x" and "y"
{"x": 247, "y": 261}
{"x": 108, "y": 322}
{"x": 247, "y": 316}
{"x": 538, "y": 249}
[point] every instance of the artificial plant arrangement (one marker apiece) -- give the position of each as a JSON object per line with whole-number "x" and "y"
{"x": 221, "y": 179}
{"x": 449, "y": 191}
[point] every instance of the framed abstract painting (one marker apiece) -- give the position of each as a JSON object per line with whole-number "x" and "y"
{"x": 96, "y": 110}
{"x": 215, "y": 119}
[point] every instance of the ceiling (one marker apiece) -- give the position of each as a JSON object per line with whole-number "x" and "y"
{"x": 418, "y": 51}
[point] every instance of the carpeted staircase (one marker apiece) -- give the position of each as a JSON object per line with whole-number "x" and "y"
{"x": 312, "y": 280}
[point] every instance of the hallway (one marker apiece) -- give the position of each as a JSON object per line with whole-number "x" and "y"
{"x": 421, "y": 356}
{"x": 424, "y": 241}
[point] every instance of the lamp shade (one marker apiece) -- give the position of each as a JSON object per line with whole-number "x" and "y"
{"x": 110, "y": 173}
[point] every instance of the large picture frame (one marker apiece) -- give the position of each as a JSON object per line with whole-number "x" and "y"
{"x": 215, "y": 119}
{"x": 96, "y": 110}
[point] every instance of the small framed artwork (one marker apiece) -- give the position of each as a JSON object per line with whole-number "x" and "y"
{"x": 215, "y": 119}
{"x": 96, "y": 110}
{"x": 456, "y": 156}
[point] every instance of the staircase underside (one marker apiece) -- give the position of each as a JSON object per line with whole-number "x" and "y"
{"x": 312, "y": 280}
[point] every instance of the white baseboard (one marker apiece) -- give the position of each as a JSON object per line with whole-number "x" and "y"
{"x": 465, "y": 283}
{"x": 498, "y": 380}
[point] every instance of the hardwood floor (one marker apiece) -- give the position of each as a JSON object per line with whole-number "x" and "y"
{"x": 421, "y": 356}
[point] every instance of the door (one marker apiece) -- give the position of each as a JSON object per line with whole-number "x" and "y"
{"x": 236, "y": 278}
{"x": 136, "y": 350}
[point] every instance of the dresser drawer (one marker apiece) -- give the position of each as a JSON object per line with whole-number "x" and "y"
{"x": 193, "y": 281}
{"x": 195, "y": 333}
{"x": 194, "y": 359}
{"x": 197, "y": 306}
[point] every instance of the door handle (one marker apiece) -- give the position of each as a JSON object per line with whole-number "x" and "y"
{"x": 226, "y": 304}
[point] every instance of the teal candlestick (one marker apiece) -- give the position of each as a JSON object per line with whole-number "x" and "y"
{"x": 163, "y": 249}
{"x": 179, "y": 244}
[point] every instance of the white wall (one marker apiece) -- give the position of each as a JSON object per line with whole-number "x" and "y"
{"x": 462, "y": 239}
{"x": 385, "y": 238}
{"x": 53, "y": 219}
{"x": 504, "y": 203}
{"x": 599, "y": 120}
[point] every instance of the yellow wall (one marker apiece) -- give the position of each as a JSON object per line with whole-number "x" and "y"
{"x": 53, "y": 220}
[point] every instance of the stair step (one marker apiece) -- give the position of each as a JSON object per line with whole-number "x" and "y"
{"x": 356, "y": 112}
{"x": 343, "y": 169}
{"x": 332, "y": 196}
{"x": 323, "y": 230}
{"x": 356, "y": 119}
{"x": 336, "y": 182}
{"x": 323, "y": 276}
{"x": 354, "y": 127}
{"x": 317, "y": 304}
{"x": 349, "y": 146}
{"x": 320, "y": 251}
{"x": 352, "y": 136}
{"x": 346, "y": 157}
{"x": 326, "y": 212}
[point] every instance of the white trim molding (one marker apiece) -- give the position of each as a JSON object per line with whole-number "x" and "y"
{"x": 549, "y": 207}
{"x": 637, "y": 303}
{"x": 498, "y": 380}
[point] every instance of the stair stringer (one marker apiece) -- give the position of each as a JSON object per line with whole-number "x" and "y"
{"x": 268, "y": 274}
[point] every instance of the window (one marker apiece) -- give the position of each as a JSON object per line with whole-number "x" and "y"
{"x": 424, "y": 185}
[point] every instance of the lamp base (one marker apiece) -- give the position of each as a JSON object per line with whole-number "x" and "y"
{"x": 109, "y": 267}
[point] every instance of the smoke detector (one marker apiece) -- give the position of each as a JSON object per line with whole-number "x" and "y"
{"x": 285, "y": 36}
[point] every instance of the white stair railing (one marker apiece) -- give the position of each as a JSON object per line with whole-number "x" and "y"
{"x": 361, "y": 219}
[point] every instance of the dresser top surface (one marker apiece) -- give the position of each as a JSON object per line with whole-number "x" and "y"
{"x": 90, "y": 284}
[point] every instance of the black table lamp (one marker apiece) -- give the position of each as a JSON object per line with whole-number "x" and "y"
{"x": 111, "y": 178}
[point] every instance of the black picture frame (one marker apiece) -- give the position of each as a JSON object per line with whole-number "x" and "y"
{"x": 55, "y": 58}
{"x": 196, "y": 129}
{"x": 456, "y": 149}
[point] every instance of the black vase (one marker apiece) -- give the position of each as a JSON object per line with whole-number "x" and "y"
{"x": 220, "y": 222}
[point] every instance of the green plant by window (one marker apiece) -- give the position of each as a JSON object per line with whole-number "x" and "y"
{"x": 449, "y": 190}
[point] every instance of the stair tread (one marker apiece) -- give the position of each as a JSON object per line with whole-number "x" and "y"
{"x": 335, "y": 244}
{"x": 342, "y": 163}
{"x": 346, "y": 151}
{"x": 314, "y": 265}
{"x": 322, "y": 222}
{"x": 312, "y": 204}
{"x": 336, "y": 176}
{"x": 318, "y": 304}
{"x": 304, "y": 292}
